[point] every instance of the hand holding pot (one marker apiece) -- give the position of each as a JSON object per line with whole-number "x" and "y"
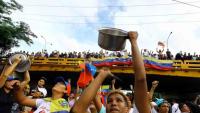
{"x": 17, "y": 59}
{"x": 133, "y": 35}
{"x": 23, "y": 62}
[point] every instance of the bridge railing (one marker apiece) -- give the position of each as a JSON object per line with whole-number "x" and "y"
{"x": 58, "y": 61}
{"x": 192, "y": 64}
{"x": 177, "y": 64}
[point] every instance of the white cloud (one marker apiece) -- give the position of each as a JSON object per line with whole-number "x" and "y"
{"x": 68, "y": 43}
{"x": 152, "y": 29}
{"x": 160, "y": 26}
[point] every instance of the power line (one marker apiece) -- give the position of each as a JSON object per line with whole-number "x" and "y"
{"x": 187, "y": 3}
{"x": 74, "y": 16}
{"x": 137, "y": 5}
{"x": 128, "y": 24}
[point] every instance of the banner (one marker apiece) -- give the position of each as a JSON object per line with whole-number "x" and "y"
{"x": 148, "y": 62}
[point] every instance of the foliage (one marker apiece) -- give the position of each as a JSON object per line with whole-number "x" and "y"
{"x": 12, "y": 32}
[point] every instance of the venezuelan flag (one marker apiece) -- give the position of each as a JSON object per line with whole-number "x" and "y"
{"x": 86, "y": 75}
{"x": 164, "y": 65}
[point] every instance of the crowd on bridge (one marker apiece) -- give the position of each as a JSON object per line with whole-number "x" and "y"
{"x": 88, "y": 97}
{"x": 159, "y": 54}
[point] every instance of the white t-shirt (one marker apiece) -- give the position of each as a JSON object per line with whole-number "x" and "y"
{"x": 43, "y": 90}
{"x": 175, "y": 108}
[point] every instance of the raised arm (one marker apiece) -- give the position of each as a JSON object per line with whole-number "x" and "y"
{"x": 140, "y": 87}
{"x": 153, "y": 87}
{"x": 89, "y": 93}
{"x": 97, "y": 102}
{"x": 8, "y": 70}
{"x": 26, "y": 79}
{"x": 21, "y": 98}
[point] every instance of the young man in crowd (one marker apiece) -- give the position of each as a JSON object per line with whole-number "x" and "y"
{"x": 55, "y": 103}
{"x": 40, "y": 91}
{"x": 7, "y": 82}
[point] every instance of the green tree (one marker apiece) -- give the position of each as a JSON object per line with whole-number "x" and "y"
{"x": 12, "y": 32}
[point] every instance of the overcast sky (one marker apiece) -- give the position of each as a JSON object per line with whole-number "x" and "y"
{"x": 72, "y": 25}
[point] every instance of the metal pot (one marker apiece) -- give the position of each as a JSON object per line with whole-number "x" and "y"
{"x": 24, "y": 63}
{"x": 112, "y": 39}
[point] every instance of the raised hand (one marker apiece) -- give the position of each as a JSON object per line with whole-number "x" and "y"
{"x": 133, "y": 36}
{"x": 105, "y": 72}
{"x": 113, "y": 81}
{"x": 155, "y": 83}
{"x": 17, "y": 59}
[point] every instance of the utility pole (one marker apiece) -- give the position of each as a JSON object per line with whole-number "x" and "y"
{"x": 168, "y": 38}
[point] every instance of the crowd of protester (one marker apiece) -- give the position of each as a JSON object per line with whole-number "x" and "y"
{"x": 159, "y": 54}
{"x": 74, "y": 54}
{"x": 17, "y": 97}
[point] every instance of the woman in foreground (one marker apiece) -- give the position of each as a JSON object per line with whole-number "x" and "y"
{"x": 116, "y": 101}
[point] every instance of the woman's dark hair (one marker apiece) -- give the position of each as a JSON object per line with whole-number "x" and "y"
{"x": 128, "y": 102}
{"x": 181, "y": 105}
{"x": 193, "y": 107}
{"x": 44, "y": 78}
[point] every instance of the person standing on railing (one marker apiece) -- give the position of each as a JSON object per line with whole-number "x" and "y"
{"x": 168, "y": 53}
{"x": 179, "y": 56}
{"x": 145, "y": 53}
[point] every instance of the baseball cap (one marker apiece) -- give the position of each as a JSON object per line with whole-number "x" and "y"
{"x": 61, "y": 79}
{"x": 12, "y": 78}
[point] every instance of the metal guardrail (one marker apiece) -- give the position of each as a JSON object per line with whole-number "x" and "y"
{"x": 58, "y": 61}
{"x": 177, "y": 64}
{"x": 187, "y": 64}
